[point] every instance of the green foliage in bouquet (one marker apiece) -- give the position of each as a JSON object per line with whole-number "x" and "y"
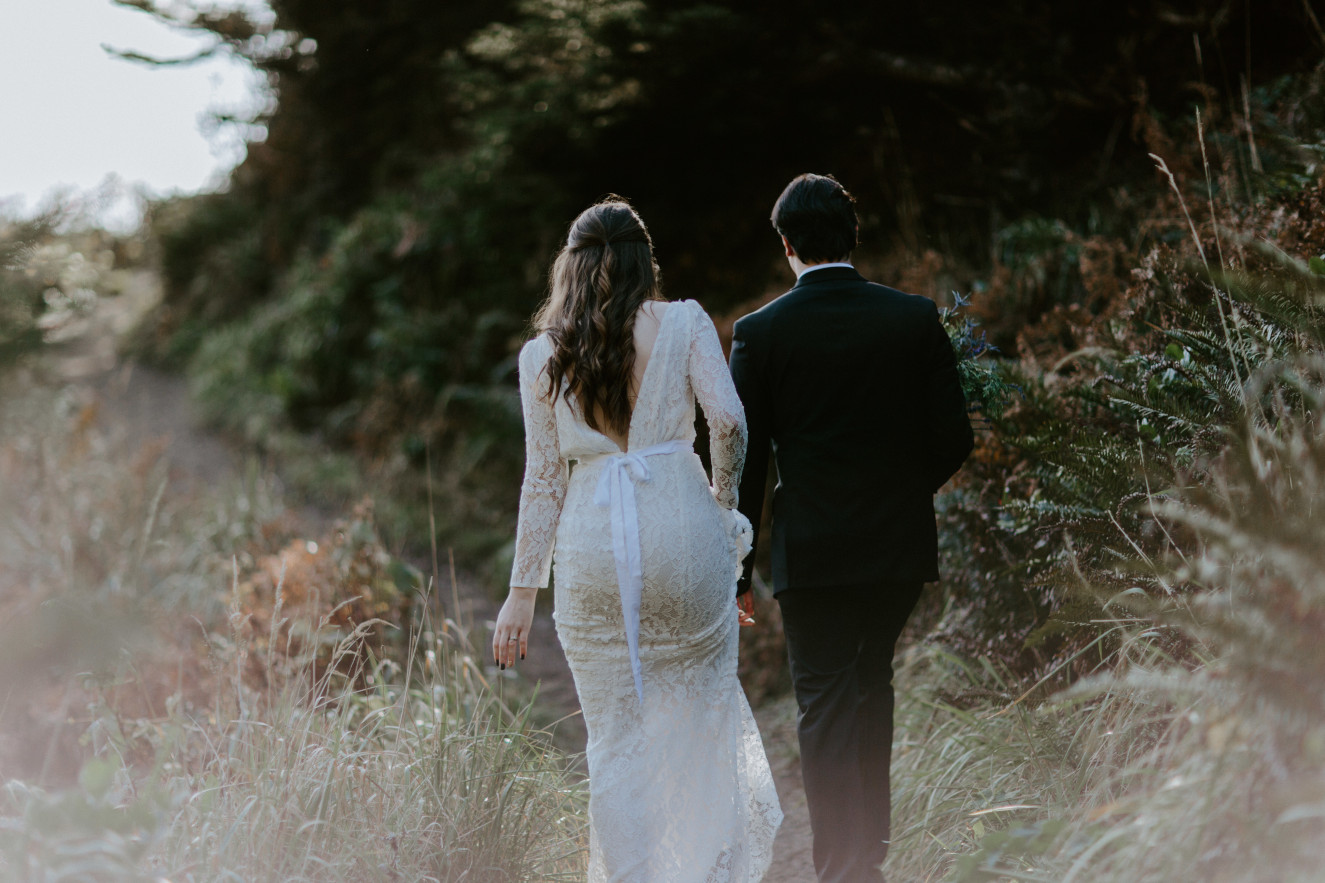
{"x": 986, "y": 385}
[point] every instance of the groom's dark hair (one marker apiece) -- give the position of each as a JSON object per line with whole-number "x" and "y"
{"x": 818, "y": 217}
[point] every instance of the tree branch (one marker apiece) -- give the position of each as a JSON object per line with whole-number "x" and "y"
{"x": 140, "y": 58}
{"x": 232, "y": 25}
{"x": 149, "y": 7}
{"x": 1315, "y": 22}
{"x": 918, "y": 70}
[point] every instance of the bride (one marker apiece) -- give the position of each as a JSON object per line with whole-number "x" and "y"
{"x": 646, "y": 556}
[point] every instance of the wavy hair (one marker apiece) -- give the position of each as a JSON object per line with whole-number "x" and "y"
{"x": 598, "y": 281}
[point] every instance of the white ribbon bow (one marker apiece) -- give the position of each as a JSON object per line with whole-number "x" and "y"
{"x": 616, "y": 489}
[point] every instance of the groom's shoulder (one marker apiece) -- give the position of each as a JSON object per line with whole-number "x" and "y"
{"x": 785, "y": 303}
{"x": 757, "y": 319}
{"x": 896, "y": 302}
{"x": 913, "y": 302}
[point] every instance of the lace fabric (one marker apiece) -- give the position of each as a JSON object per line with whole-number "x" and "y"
{"x": 680, "y": 788}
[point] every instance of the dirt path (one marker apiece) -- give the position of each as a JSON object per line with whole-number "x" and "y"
{"x": 792, "y": 858}
{"x": 137, "y": 404}
{"x": 147, "y": 406}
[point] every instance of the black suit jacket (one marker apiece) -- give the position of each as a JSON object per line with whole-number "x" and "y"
{"x": 854, "y": 387}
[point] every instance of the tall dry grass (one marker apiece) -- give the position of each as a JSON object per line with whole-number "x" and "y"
{"x": 149, "y": 733}
{"x": 1193, "y": 749}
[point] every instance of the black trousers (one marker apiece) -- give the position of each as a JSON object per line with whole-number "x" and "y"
{"x": 840, "y": 641}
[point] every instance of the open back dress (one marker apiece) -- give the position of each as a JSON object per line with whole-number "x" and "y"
{"x": 646, "y": 555}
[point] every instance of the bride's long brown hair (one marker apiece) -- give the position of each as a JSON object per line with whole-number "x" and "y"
{"x": 603, "y": 274}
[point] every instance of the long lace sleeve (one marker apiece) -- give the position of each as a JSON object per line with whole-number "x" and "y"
{"x": 545, "y": 474}
{"x": 716, "y": 394}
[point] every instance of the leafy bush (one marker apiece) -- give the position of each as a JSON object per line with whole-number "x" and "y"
{"x": 1132, "y": 379}
{"x": 49, "y": 276}
{"x": 21, "y": 302}
{"x": 1157, "y": 765}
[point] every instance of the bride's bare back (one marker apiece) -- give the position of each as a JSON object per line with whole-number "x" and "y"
{"x": 647, "y": 322}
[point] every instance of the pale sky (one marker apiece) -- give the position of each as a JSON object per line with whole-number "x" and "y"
{"x": 73, "y": 116}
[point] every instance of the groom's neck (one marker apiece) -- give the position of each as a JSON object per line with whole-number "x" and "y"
{"x": 800, "y": 268}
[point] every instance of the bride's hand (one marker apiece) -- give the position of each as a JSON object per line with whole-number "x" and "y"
{"x": 513, "y": 623}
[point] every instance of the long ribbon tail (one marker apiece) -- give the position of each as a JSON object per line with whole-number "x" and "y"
{"x": 630, "y": 577}
{"x": 616, "y": 490}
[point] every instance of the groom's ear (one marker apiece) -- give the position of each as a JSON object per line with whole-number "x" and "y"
{"x": 791, "y": 252}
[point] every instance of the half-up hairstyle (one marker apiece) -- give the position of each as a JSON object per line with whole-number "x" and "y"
{"x": 600, "y": 278}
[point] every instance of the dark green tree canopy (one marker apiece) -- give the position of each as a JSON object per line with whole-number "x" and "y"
{"x": 937, "y": 114}
{"x": 371, "y": 269}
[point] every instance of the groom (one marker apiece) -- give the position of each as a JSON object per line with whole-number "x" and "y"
{"x": 855, "y": 388}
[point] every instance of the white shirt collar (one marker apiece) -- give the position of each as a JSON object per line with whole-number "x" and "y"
{"x": 823, "y": 267}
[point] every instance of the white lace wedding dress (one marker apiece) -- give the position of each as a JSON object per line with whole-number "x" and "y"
{"x": 680, "y": 789}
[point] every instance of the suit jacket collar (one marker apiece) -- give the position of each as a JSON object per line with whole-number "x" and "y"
{"x": 828, "y": 274}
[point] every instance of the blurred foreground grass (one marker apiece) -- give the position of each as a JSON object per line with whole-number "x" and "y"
{"x": 181, "y": 707}
{"x": 195, "y": 692}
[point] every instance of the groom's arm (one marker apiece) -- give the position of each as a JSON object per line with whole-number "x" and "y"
{"x": 749, "y": 375}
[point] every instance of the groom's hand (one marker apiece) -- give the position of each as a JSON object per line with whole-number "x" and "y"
{"x": 745, "y": 609}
